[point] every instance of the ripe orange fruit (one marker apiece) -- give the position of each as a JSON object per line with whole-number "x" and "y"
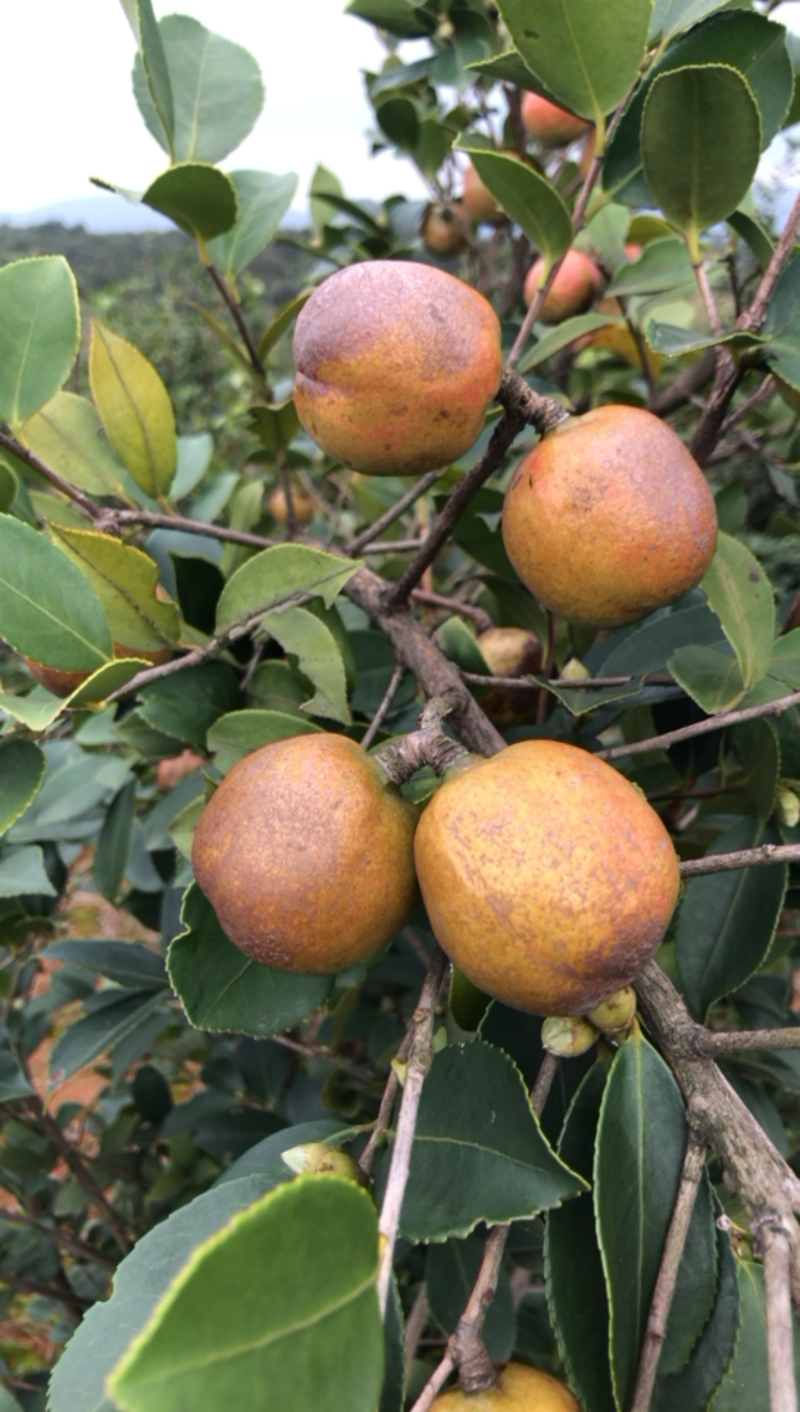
{"x": 548, "y": 878}
{"x": 576, "y": 286}
{"x": 518, "y": 1389}
{"x": 609, "y": 517}
{"x": 549, "y": 124}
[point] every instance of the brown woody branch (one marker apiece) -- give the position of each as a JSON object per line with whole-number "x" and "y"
{"x": 241, "y": 325}
{"x": 742, "y": 858}
{"x": 49, "y": 1127}
{"x": 712, "y": 723}
{"x": 59, "y": 482}
{"x": 774, "y": 1244}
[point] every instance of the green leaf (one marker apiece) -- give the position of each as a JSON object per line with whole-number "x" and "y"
{"x": 713, "y": 679}
{"x": 468, "y": 1004}
{"x": 586, "y": 55}
{"x": 125, "y": 962}
{"x": 662, "y": 266}
{"x": 9, "y": 487}
{"x": 48, "y": 609}
{"x": 754, "y": 235}
{"x": 217, "y": 91}
{"x": 701, "y": 142}
{"x": 276, "y": 426}
{"x": 13, "y": 1084}
{"x": 77, "y": 1383}
{"x": 673, "y": 340}
{"x": 135, "y": 410}
{"x": 641, "y": 1140}
{"x": 746, "y": 1384}
{"x": 21, "y": 773}
{"x": 262, "y": 201}
{"x": 452, "y": 1271}
{"x": 576, "y": 1292}
{"x": 236, "y": 734}
{"x": 479, "y": 1153}
{"x": 284, "y": 1297}
{"x": 671, "y": 16}
{"x": 39, "y": 333}
{"x": 562, "y": 336}
{"x": 194, "y": 458}
{"x": 186, "y": 704}
{"x": 750, "y": 43}
{"x": 782, "y": 325}
{"x": 405, "y": 18}
{"x": 124, "y": 579}
{"x": 691, "y": 1389}
{"x": 323, "y": 183}
{"x": 740, "y": 594}
{"x": 22, "y": 871}
{"x": 726, "y": 921}
{"x": 200, "y": 199}
{"x": 283, "y": 320}
{"x": 302, "y": 635}
{"x": 66, "y": 433}
{"x": 152, "y": 62}
{"x": 119, "y": 1014}
{"x": 528, "y": 198}
{"x": 278, "y": 576}
{"x": 222, "y": 989}
{"x": 394, "y": 1382}
{"x": 114, "y": 844}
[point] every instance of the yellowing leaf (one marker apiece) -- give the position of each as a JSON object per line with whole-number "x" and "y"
{"x": 135, "y": 410}
{"x": 124, "y": 579}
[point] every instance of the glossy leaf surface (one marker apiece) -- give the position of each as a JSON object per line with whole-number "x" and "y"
{"x": 21, "y": 773}
{"x": 135, "y": 410}
{"x": 39, "y": 333}
{"x": 262, "y": 201}
{"x": 48, "y": 609}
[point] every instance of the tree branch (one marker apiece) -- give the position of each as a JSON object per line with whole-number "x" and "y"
{"x": 80, "y": 1171}
{"x": 742, "y": 858}
{"x": 59, "y": 482}
{"x": 712, "y": 723}
{"x": 241, "y": 324}
{"x": 773, "y": 1237}
{"x": 424, "y": 484}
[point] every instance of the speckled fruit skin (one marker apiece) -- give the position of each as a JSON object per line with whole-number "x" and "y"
{"x": 549, "y": 124}
{"x": 573, "y": 291}
{"x": 305, "y": 851}
{"x": 479, "y": 202}
{"x": 548, "y": 878}
{"x": 396, "y": 365}
{"x": 518, "y": 1389}
{"x": 609, "y": 517}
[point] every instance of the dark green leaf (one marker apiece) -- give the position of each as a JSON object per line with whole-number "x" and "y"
{"x": 561, "y": 337}
{"x": 222, "y": 989}
{"x": 283, "y": 320}
{"x": 691, "y": 1389}
{"x": 126, "y": 962}
{"x": 200, "y": 199}
{"x": 478, "y": 1153}
{"x": 186, "y": 704}
{"x": 114, "y": 843}
{"x": 22, "y": 871}
{"x": 576, "y": 1290}
{"x": 753, "y": 234}
{"x": 39, "y": 333}
{"x": 102, "y": 1030}
{"x": 782, "y": 325}
{"x": 405, "y": 18}
{"x": 528, "y": 198}
{"x": 22, "y": 767}
{"x": 284, "y": 1297}
{"x": 746, "y": 1383}
{"x": 639, "y": 1155}
{"x": 671, "y": 16}
{"x": 278, "y": 576}
{"x": 394, "y": 1381}
{"x": 13, "y": 1083}
{"x": 726, "y": 921}
{"x": 701, "y": 141}
{"x": 236, "y": 734}
{"x": 712, "y": 678}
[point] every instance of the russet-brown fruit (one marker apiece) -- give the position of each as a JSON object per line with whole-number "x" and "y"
{"x": 301, "y": 500}
{"x": 442, "y": 232}
{"x": 548, "y": 878}
{"x": 577, "y": 283}
{"x": 305, "y": 851}
{"x": 518, "y": 1389}
{"x": 397, "y": 364}
{"x": 609, "y": 517}
{"x": 549, "y": 124}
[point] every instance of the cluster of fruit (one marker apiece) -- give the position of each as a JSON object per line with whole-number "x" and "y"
{"x": 548, "y": 878}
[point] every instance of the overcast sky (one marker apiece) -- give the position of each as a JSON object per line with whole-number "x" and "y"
{"x": 67, "y": 111}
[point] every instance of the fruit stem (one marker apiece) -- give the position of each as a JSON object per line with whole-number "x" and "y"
{"x": 429, "y": 745}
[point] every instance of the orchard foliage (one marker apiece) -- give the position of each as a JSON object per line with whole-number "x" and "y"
{"x": 185, "y": 1226}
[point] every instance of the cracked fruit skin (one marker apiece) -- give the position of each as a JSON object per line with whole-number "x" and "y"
{"x": 609, "y": 517}
{"x": 518, "y": 1389}
{"x": 547, "y": 877}
{"x": 305, "y": 852}
{"x": 397, "y": 364}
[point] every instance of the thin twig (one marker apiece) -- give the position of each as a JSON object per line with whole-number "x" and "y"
{"x": 415, "y": 1324}
{"x": 399, "y": 508}
{"x": 479, "y": 616}
{"x": 741, "y": 858}
{"x": 385, "y": 706}
{"x": 419, "y": 1062}
{"x": 378, "y": 1135}
{"x": 709, "y": 302}
{"x": 52, "y": 1233}
{"x": 85, "y": 502}
{"x": 712, "y": 1042}
{"x": 774, "y": 1243}
{"x": 666, "y": 1281}
{"x": 80, "y": 1171}
{"x": 712, "y": 723}
{"x": 241, "y": 324}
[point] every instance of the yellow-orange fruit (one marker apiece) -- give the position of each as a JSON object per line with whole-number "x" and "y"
{"x": 576, "y": 286}
{"x": 442, "y": 232}
{"x": 518, "y": 1389}
{"x": 396, "y": 366}
{"x": 548, "y": 878}
{"x": 478, "y": 201}
{"x": 305, "y": 851}
{"x": 62, "y": 682}
{"x": 302, "y": 502}
{"x": 609, "y": 517}
{"x": 549, "y": 124}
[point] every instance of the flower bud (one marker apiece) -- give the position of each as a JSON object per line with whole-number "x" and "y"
{"x": 568, "y": 1035}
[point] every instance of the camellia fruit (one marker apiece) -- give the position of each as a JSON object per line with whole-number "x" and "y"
{"x": 548, "y": 878}
{"x": 442, "y": 232}
{"x": 609, "y": 517}
{"x": 549, "y": 124}
{"x": 305, "y": 852}
{"x": 301, "y": 501}
{"x": 397, "y": 364}
{"x": 510, "y": 652}
{"x": 577, "y": 283}
{"x": 518, "y": 1389}
{"x": 478, "y": 201}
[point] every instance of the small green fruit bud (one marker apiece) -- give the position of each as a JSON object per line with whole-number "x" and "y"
{"x": 615, "y": 1015}
{"x": 574, "y": 670}
{"x": 787, "y": 807}
{"x": 568, "y": 1035}
{"x": 317, "y": 1158}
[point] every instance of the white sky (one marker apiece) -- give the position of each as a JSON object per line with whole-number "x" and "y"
{"x": 67, "y": 110}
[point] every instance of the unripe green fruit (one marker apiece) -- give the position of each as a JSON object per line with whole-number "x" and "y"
{"x": 305, "y": 851}
{"x": 548, "y": 878}
{"x": 569, "y": 1036}
{"x": 319, "y": 1159}
{"x": 397, "y": 364}
{"x": 518, "y": 1389}
{"x": 609, "y": 517}
{"x": 616, "y": 1014}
